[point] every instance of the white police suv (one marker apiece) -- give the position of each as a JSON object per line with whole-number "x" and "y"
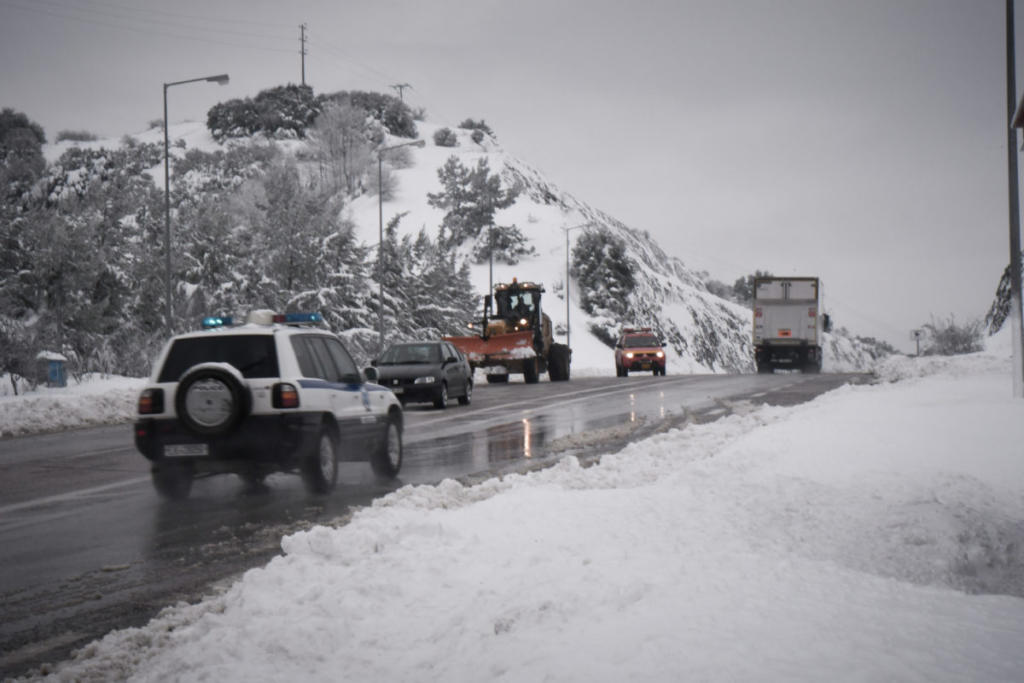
{"x": 275, "y": 394}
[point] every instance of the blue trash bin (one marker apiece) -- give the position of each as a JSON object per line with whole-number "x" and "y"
{"x": 55, "y": 376}
{"x": 53, "y": 365}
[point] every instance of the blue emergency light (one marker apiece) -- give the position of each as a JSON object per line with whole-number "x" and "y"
{"x": 212, "y": 321}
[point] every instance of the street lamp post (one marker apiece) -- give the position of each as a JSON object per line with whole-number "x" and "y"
{"x": 567, "y": 231}
{"x": 220, "y": 79}
{"x": 380, "y": 243}
{"x": 1016, "y": 121}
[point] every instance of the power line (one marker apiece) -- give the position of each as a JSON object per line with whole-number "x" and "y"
{"x": 234, "y": 21}
{"x": 142, "y": 30}
{"x": 147, "y": 20}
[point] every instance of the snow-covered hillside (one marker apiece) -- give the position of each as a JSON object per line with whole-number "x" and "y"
{"x": 704, "y": 332}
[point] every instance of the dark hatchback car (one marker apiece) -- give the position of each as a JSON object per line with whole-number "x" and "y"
{"x": 431, "y": 371}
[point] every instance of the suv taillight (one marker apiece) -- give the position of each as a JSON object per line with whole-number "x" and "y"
{"x": 285, "y": 396}
{"x": 151, "y": 402}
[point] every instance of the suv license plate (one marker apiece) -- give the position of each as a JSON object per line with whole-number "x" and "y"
{"x": 177, "y": 450}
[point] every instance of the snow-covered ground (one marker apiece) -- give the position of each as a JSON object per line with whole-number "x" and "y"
{"x": 876, "y": 533}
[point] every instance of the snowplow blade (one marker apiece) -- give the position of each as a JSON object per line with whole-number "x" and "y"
{"x": 497, "y": 349}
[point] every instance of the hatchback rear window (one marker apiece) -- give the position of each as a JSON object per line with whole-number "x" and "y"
{"x": 253, "y": 355}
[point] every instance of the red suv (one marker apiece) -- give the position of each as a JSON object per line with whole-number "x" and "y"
{"x": 639, "y": 349}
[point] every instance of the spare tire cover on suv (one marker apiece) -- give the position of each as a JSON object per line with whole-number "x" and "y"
{"x": 211, "y": 399}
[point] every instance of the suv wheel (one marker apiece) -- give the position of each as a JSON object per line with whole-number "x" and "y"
{"x": 211, "y": 399}
{"x": 387, "y": 460}
{"x": 172, "y": 480}
{"x": 320, "y": 468}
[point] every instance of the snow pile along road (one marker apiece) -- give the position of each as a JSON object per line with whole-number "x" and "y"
{"x": 93, "y": 401}
{"x": 874, "y": 534}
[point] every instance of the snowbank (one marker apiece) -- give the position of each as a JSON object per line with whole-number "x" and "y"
{"x": 96, "y": 400}
{"x": 873, "y": 534}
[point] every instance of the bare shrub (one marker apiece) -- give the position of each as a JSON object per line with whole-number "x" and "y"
{"x": 76, "y": 136}
{"x": 949, "y": 338}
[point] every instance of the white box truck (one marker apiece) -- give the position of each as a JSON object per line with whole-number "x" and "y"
{"x": 788, "y": 323}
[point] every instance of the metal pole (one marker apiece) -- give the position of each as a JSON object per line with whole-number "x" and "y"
{"x": 380, "y": 250}
{"x": 567, "y": 231}
{"x": 220, "y": 79}
{"x": 1015, "y": 261}
{"x": 167, "y": 217}
{"x": 380, "y": 220}
{"x": 567, "y": 289}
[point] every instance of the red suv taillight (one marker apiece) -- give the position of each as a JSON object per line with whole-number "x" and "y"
{"x": 285, "y": 396}
{"x": 151, "y": 402}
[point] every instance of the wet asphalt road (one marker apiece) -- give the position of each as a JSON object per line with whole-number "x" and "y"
{"x": 89, "y": 547}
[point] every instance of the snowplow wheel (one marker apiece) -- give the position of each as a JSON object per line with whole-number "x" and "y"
{"x": 558, "y": 368}
{"x": 531, "y": 375}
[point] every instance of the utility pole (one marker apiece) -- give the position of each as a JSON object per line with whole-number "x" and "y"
{"x": 1015, "y": 261}
{"x": 400, "y": 87}
{"x": 302, "y": 50}
{"x": 567, "y": 231}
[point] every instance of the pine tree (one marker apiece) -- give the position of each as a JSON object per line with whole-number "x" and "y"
{"x": 471, "y": 198}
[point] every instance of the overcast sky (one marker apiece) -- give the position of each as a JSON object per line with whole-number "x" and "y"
{"x": 863, "y": 142}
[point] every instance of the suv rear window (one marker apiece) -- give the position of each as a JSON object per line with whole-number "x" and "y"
{"x": 634, "y": 341}
{"x": 253, "y": 355}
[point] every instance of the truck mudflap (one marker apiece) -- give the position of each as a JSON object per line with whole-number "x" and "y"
{"x": 786, "y": 356}
{"x": 508, "y": 349}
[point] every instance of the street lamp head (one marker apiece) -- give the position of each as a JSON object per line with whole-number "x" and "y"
{"x": 221, "y": 79}
{"x": 414, "y": 143}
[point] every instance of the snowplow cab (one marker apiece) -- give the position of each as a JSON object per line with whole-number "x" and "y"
{"x": 516, "y": 308}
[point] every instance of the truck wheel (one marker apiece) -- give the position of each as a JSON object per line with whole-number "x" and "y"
{"x": 172, "y": 480}
{"x": 387, "y": 460}
{"x": 320, "y": 467}
{"x": 764, "y": 368}
{"x": 497, "y": 379}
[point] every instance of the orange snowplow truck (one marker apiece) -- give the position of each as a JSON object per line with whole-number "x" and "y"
{"x": 515, "y": 336}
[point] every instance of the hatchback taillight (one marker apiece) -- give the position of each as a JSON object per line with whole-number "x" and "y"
{"x": 151, "y": 402}
{"x": 285, "y": 396}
